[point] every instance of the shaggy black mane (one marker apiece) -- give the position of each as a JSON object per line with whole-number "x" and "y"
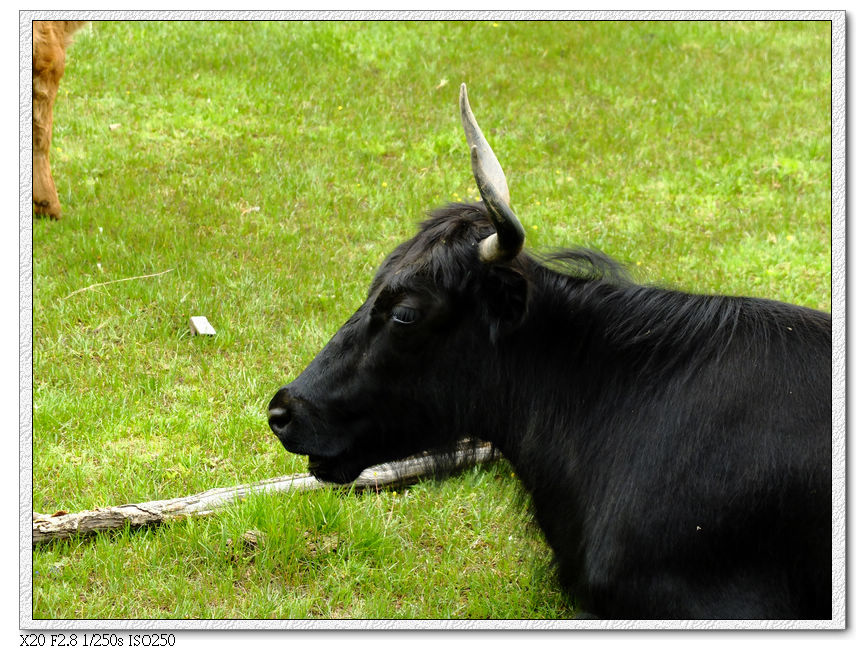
{"x": 666, "y": 322}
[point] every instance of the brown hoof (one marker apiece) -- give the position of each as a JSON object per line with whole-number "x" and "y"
{"x": 46, "y": 209}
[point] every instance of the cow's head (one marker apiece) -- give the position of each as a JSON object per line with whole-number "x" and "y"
{"x": 415, "y": 367}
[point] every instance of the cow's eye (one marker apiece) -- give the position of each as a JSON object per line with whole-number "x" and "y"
{"x": 404, "y": 314}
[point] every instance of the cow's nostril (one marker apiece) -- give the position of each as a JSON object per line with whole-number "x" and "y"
{"x": 279, "y": 418}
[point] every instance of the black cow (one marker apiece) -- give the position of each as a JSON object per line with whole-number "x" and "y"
{"x": 676, "y": 447}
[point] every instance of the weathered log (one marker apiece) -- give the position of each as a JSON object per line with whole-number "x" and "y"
{"x": 62, "y": 525}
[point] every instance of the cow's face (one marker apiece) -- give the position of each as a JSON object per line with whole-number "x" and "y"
{"x": 409, "y": 370}
{"x": 412, "y": 368}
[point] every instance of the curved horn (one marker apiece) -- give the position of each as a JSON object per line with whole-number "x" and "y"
{"x": 508, "y": 239}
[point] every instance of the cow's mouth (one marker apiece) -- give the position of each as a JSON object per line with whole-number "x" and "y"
{"x": 332, "y": 457}
{"x": 331, "y": 463}
{"x": 335, "y": 469}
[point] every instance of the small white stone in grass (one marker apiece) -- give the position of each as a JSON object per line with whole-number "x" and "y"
{"x": 200, "y": 325}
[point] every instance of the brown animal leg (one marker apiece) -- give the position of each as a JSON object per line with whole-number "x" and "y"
{"x": 50, "y": 40}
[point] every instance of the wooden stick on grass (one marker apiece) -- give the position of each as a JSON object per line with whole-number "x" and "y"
{"x": 102, "y": 284}
{"x": 48, "y": 528}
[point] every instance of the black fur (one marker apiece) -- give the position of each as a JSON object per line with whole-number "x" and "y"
{"x": 676, "y": 447}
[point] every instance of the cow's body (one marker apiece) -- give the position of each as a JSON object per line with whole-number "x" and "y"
{"x": 677, "y": 448}
{"x": 50, "y": 40}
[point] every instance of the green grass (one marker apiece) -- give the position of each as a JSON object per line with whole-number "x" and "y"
{"x": 446, "y": 550}
{"x": 272, "y": 166}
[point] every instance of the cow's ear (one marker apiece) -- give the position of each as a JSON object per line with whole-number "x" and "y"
{"x": 505, "y": 300}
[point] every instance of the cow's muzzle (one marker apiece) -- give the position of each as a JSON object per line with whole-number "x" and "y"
{"x": 281, "y": 413}
{"x": 300, "y": 428}
{"x": 301, "y": 431}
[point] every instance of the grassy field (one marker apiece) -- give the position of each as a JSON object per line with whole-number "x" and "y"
{"x": 269, "y": 167}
